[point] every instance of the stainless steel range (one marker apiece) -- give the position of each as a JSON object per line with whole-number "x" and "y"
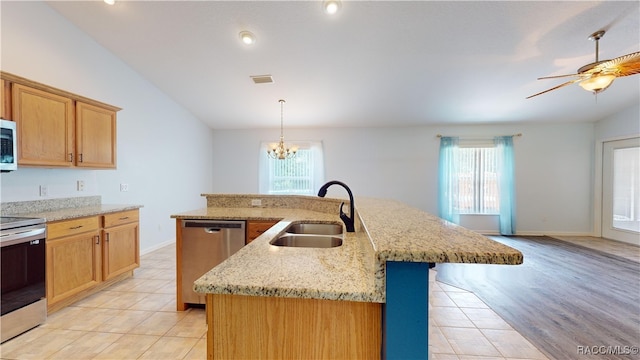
{"x": 23, "y": 304}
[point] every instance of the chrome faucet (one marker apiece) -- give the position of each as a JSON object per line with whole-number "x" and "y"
{"x": 348, "y": 220}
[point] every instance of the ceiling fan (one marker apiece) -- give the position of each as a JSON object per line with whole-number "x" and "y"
{"x": 599, "y": 75}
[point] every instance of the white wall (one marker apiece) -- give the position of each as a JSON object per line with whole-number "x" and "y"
{"x": 623, "y": 124}
{"x": 554, "y": 165}
{"x": 167, "y": 170}
{"x": 164, "y": 153}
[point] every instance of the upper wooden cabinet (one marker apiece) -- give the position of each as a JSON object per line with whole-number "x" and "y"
{"x": 44, "y": 123}
{"x": 95, "y": 136}
{"x": 5, "y": 100}
{"x": 59, "y": 129}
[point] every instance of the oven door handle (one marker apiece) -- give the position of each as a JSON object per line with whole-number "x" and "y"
{"x": 22, "y": 236}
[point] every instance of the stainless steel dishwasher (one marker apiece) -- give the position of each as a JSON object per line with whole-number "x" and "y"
{"x": 205, "y": 244}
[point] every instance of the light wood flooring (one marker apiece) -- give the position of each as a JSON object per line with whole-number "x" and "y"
{"x": 136, "y": 319}
{"x": 566, "y": 298}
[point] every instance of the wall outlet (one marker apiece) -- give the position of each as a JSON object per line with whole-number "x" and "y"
{"x": 256, "y": 202}
{"x": 44, "y": 190}
{"x": 80, "y": 185}
{"x": 124, "y": 187}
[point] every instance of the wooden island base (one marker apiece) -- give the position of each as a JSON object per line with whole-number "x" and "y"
{"x": 255, "y": 327}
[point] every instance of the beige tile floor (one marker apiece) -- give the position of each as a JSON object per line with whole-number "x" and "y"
{"x": 136, "y": 319}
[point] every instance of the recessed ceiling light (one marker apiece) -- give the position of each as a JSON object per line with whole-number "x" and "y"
{"x": 331, "y": 6}
{"x": 109, "y": 2}
{"x": 247, "y": 37}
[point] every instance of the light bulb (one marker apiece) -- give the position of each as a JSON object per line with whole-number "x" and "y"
{"x": 247, "y": 37}
{"x": 331, "y": 6}
{"x": 109, "y": 2}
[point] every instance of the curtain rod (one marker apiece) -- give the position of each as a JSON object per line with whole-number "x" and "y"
{"x": 518, "y": 134}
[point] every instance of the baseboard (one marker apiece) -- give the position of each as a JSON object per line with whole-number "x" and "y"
{"x": 488, "y": 232}
{"x": 552, "y": 233}
{"x": 536, "y": 233}
{"x": 157, "y": 246}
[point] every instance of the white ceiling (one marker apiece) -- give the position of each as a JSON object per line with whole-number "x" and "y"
{"x": 375, "y": 63}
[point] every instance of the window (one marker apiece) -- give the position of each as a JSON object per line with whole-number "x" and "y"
{"x": 478, "y": 181}
{"x": 301, "y": 175}
{"x": 477, "y": 178}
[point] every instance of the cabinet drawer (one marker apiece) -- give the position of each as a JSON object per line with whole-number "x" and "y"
{"x": 255, "y": 228}
{"x": 72, "y": 227}
{"x": 120, "y": 218}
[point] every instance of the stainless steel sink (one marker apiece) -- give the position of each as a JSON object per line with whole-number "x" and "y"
{"x": 309, "y": 241}
{"x": 311, "y": 235}
{"x": 315, "y": 229}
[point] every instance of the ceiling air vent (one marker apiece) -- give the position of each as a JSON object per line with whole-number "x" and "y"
{"x": 262, "y": 79}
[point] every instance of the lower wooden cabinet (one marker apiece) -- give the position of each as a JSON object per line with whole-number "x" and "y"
{"x": 87, "y": 254}
{"x": 264, "y": 327}
{"x": 74, "y": 258}
{"x": 121, "y": 243}
{"x": 255, "y": 228}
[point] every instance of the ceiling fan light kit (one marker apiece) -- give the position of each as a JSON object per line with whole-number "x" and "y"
{"x": 599, "y": 75}
{"x": 597, "y": 84}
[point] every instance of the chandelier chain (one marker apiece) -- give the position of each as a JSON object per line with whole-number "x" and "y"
{"x": 279, "y": 150}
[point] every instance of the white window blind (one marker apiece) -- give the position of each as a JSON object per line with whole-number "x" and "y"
{"x": 478, "y": 181}
{"x": 302, "y": 175}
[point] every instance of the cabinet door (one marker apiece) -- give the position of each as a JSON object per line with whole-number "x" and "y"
{"x": 121, "y": 250}
{"x": 5, "y": 100}
{"x": 95, "y": 136}
{"x": 255, "y": 228}
{"x": 45, "y": 127}
{"x": 73, "y": 265}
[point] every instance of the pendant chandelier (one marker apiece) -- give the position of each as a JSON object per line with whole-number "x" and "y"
{"x": 280, "y": 151}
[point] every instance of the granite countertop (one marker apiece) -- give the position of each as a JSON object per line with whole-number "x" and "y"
{"x": 63, "y": 208}
{"x": 73, "y": 213}
{"x": 386, "y": 230}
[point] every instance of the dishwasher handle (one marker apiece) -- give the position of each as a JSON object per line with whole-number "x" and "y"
{"x": 213, "y": 226}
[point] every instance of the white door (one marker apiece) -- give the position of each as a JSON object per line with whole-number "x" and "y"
{"x": 621, "y": 190}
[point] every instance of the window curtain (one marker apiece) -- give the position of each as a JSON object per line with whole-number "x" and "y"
{"x": 506, "y": 184}
{"x": 448, "y": 180}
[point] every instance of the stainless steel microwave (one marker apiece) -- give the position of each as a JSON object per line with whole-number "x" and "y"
{"x": 8, "y": 147}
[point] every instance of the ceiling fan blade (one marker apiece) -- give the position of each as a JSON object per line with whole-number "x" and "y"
{"x": 621, "y": 66}
{"x": 555, "y": 87}
{"x": 557, "y": 76}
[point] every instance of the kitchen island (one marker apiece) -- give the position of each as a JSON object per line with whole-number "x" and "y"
{"x": 367, "y": 298}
